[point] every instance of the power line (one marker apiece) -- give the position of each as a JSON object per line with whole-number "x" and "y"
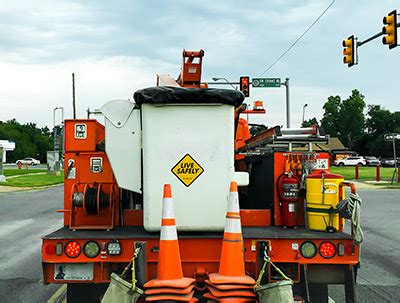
{"x": 298, "y": 39}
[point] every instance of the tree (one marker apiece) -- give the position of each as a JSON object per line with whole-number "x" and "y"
{"x": 310, "y": 122}
{"x": 351, "y": 119}
{"x": 329, "y": 122}
{"x": 363, "y": 133}
{"x": 256, "y": 128}
{"x": 30, "y": 141}
{"x": 345, "y": 119}
{"x": 380, "y": 122}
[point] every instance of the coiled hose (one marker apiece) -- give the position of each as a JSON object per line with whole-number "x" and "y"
{"x": 350, "y": 208}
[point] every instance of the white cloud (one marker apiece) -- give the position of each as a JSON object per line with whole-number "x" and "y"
{"x": 117, "y": 47}
{"x": 30, "y": 92}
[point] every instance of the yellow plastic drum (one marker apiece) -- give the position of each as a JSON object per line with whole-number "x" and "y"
{"x": 321, "y": 200}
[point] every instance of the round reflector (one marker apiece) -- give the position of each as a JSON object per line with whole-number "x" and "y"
{"x": 72, "y": 249}
{"x": 91, "y": 249}
{"x": 308, "y": 250}
{"x": 50, "y": 249}
{"x": 327, "y": 250}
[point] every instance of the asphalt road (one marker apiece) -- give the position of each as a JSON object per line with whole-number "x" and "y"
{"x": 379, "y": 276}
{"x": 26, "y": 216}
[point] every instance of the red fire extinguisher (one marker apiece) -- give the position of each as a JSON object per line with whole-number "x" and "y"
{"x": 288, "y": 190}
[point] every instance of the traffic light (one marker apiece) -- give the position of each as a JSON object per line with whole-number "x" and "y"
{"x": 245, "y": 86}
{"x": 348, "y": 51}
{"x": 390, "y": 30}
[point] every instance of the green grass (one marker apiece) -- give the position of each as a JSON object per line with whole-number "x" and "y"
{"x": 365, "y": 173}
{"x": 18, "y": 172}
{"x": 389, "y": 185}
{"x": 34, "y": 180}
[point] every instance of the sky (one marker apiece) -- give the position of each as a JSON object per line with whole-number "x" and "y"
{"x": 117, "y": 47}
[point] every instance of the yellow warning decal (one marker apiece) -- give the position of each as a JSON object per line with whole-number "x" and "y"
{"x": 187, "y": 170}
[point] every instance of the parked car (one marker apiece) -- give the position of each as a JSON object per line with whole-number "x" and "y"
{"x": 30, "y": 161}
{"x": 353, "y": 160}
{"x": 389, "y": 162}
{"x": 372, "y": 161}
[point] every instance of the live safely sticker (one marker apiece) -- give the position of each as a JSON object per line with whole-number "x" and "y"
{"x": 187, "y": 170}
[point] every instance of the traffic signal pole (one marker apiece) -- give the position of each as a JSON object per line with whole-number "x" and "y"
{"x": 360, "y": 43}
{"x": 389, "y": 31}
{"x": 370, "y": 38}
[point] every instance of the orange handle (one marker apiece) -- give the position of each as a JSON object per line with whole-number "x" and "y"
{"x": 352, "y": 186}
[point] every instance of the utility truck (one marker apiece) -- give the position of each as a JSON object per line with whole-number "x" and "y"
{"x": 192, "y": 137}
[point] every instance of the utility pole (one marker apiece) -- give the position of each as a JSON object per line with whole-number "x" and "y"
{"x": 286, "y": 83}
{"x": 393, "y": 138}
{"x": 73, "y": 96}
{"x": 55, "y": 125}
{"x": 395, "y": 159}
{"x": 2, "y": 177}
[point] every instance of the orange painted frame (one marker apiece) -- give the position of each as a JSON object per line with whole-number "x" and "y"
{"x": 195, "y": 257}
{"x": 81, "y": 151}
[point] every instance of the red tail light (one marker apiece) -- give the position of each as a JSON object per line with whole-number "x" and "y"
{"x": 327, "y": 250}
{"x": 72, "y": 249}
{"x": 50, "y": 249}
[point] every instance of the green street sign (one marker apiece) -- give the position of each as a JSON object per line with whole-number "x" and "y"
{"x": 391, "y": 137}
{"x": 266, "y": 82}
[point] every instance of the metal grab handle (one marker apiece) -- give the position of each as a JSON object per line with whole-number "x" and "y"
{"x": 328, "y": 185}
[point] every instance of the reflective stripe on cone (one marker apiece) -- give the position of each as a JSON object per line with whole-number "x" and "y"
{"x": 170, "y": 283}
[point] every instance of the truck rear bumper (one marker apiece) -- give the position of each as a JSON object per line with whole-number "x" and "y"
{"x": 200, "y": 252}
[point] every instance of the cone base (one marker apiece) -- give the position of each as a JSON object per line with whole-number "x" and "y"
{"x": 229, "y": 286}
{"x": 219, "y": 279}
{"x": 231, "y": 293}
{"x": 169, "y": 290}
{"x": 177, "y": 283}
{"x": 227, "y": 300}
{"x": 171, "y": 297}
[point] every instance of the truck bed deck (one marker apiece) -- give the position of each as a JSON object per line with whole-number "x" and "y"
{"x": 138, "y": 232}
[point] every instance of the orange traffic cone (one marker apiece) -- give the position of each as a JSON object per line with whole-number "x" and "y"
{"x": 171, "y": 297}
{"x": 178, "y": 291}
{"x": 231, "y": 266}
{"x": 170, "y": 283}
{"x": 233, "y": 299}
{"x": 230, "y": 292}
{"x": 231, "y": 284}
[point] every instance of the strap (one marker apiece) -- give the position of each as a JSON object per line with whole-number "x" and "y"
{"x": 261, "y": 274}
{"x": 279, "y": 271}
{"x": 322, "y": 210}
{"x": 267, "y": 260}
{"x": 132, "y": 262}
